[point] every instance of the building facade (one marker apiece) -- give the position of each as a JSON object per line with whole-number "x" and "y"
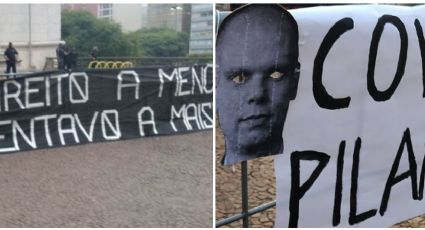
{"x": 92, "y": 8}
{"x": 172, "y": 16}
{"x": 34, "y": 30}
{"x": 129, "y": 16}
{"x": 201, "y": 34}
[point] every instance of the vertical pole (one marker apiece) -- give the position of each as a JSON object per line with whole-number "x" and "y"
{"x": 176, "y": 19}
{"x": 244, "y": 185}
{"x": 29, "y": 38}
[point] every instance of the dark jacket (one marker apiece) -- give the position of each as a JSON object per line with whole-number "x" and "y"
{"x": 10, "y": 54}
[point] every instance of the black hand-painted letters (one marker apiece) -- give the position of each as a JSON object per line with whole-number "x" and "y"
{"x": 322, "y": 95}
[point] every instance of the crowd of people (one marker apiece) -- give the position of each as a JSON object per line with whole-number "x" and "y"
{"x": 66, "y": 56}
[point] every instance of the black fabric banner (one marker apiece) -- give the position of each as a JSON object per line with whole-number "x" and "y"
{"x": 51, "y": 109}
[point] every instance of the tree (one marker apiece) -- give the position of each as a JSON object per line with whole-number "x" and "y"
{"x": 82, "y": 31}
{"x": 158, "y": 42}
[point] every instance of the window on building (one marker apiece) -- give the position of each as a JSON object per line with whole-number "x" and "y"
{"x": 105, "y": 11}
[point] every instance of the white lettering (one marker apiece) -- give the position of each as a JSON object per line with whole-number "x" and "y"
{"x": 121, "y": 85}
{"x": 182, "y": 81}
{"x": 205, "y": 80}
{"x": 47, "y": 86}
{"x": 8, "y": 96}
{"x": 46, "y": 118}
{"x": 162, "y": 74}
{"x": 29, "y": 91}
{"x": 30, "y": 140}
{"x": 199, "y": 81}
{"x": 211, "y": 123}
{"x": 194, "y": 117}
{"x": 148, "y": 122}
{"x": 178, "y": 114}
{"x": 70, "y": 130}
{"x": 115, "y": 128}
{"x": 59, "y": 85}
{"x": 89, "y": 134}
{"x": 2, "y": 137}
{"x": 83, "y": 94}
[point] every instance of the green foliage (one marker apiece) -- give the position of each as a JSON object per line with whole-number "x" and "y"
{"x": 159, "y": 42}
{"x": 82, "y": 31}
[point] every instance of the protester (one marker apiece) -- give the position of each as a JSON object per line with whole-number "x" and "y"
{"x": 74, "y": 56}
{"x": 94, "y": 52}
{"x": 60, "y": 56}
{"x": 67, "y": 57}
{"x": 11, "y": 57}
{"x": 70, "y": 58}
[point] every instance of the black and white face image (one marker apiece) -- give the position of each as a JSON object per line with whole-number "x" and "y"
{"x": 257, "y": 76}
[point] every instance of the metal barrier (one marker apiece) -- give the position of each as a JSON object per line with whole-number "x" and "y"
{"x": 129, "y": 62}
{"x": 246, "y": 213}
{"x": 11, "y": 76}
{"x": 147, "y": 61}
{"x": 5, "y": 76}
{"x": 109, "y": 64}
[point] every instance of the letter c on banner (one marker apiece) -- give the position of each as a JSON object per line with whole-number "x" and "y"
{"x": 322, "y": 97}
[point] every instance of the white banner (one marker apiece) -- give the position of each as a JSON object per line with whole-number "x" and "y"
{"x": 354, "y": 138}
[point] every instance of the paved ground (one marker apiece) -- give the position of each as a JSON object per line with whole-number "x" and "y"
{"x": 149, "y": 182}
{"x": 261, "y": 187}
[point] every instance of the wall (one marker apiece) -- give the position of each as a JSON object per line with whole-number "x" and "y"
{"x": 34, "y": 39}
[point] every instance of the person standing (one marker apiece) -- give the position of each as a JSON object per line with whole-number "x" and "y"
{"x": 93, "y": 53}
{"x": 11, "y": 57}
{"x": 67, "y": 57}
{"x": 60, "y": 56}
{"x": 70, "y": 58}
{"x": 74, "y": 56}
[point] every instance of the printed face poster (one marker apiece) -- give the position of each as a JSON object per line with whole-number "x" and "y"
{"x": 257, "y": 77}
{"x": 354, "y": 137}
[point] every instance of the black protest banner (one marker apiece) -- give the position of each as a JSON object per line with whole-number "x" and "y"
{"x": 51, "y": 109}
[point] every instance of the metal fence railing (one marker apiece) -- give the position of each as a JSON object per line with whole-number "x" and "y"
{"x": 148, "y": 61}
{"x": 6, "y": 76}
{"x": 109, "y": 65}
{"x": 86, "y": 62}
{"x": 246, "y": 212}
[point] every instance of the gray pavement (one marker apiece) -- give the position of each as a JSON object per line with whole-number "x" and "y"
{"x": 148, "y": 182}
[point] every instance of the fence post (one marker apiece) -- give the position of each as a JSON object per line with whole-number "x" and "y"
{"x": 246, "y": 212}
{"x": 244, "y": 185}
